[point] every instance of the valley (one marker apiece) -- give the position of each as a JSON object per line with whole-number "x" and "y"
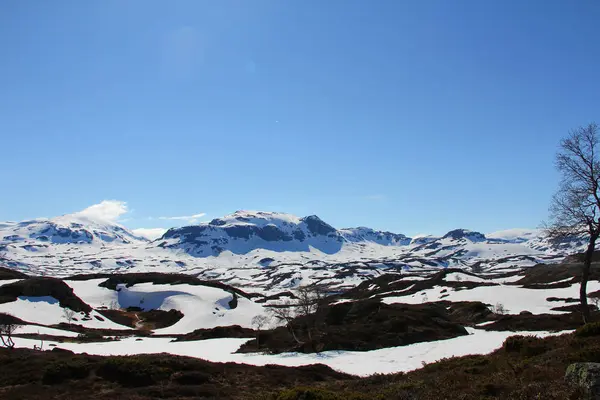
{"x": 386, "y": 303}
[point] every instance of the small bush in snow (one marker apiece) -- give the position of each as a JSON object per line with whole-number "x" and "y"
{"x": 499, "y": 309}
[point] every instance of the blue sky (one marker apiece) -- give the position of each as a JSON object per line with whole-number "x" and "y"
{"x": 409, "y": 116}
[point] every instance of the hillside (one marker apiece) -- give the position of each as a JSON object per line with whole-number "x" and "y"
{"x": 450, "y": 334}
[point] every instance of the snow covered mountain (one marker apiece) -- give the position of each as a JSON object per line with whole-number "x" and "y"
{"x": 362, "y": 234}
{"x": 265, "y": 251}
{"x": 66, "y": 229}
{"x": 244, "y": 231}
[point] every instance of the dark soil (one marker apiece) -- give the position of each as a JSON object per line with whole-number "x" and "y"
{"x": 7, "y": 273}
{"x": 97, "y": 331}
{"x": 538, "y": 322}
{"x": 579, "y": 257}
{"x": 574, "y": 308}
{"x": 393, "y": 284}
{"x": 34, "y": 287}
{"x": 467, "y": 312}
{"x": 145, "y": 320}
{"x": 8, "y": 319}
{"x": 360, "y": 325}
{"x": 232, "y": 331}
{"x": 539, "y": 276}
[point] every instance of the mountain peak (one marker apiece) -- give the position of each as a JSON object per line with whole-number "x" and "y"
{"x": 458, "y": 234}
{"x": 69, "y": 229}
{"x": 362, "y": 233}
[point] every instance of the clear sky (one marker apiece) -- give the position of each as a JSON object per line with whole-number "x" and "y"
{"x": 409, "y": 116}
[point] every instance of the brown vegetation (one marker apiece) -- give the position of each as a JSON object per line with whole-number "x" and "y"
{"x": 523, "y": 368}
{"x": 360, "y": 325}
{"x": 38, "y": 287}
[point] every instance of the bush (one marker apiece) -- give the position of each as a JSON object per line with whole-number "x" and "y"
{"x": 191, "y": 377}
{"x": 586, "y": 355}
{"x": 301, "y": 393}
{"x": 591, "y": 329}
{"x": 527, "y": 346}
{"x": 61, "y": 371}
{"x": 132, "y": 371}
{"x": 90, "y": 336}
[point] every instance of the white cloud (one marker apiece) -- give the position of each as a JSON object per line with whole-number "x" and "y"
{"x": 150, "y": 233}
{"x": 106, "y": 210}
{"x": 191, "y": 219}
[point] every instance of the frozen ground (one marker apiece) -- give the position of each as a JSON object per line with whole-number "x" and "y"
{"x": 514, "y": 299}
{"x": 389, "y": 360}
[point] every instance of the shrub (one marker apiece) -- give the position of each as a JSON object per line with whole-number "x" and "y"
{"x": 132, "y": 371}
{"x": 61, "y": 371}
{"x": 191, "y": 377}
{"x": 308, "y": 393}
{"x": 586, "y": 355}
{"x": 527, "y": 346}
{"x": 90, "y": 336}
{"x": 591, "y": 329}
{"x": 499, "y": 309}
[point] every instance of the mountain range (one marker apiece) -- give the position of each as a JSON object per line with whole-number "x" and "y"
{"x": 264, "y": 250}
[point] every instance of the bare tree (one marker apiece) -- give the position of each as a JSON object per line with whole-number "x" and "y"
{"x": 499, "y": 309}
{"x": 304, "y": 306}
{"x": 69, "y": 315}
{"x": 308, "y": 299}
{"x": 575, "y": 208}
{"x": 8, "y": 325}
{"x": 285, "y": 311}
{"x": 259, "y": 322}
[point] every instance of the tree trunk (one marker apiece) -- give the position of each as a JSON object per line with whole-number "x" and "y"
{"x": 291, "y": 329}
{"x": 585, "y": 275}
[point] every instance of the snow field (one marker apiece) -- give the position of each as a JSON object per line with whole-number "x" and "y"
{"x": 388, "y": 360}
{"x": 514, "y": 298}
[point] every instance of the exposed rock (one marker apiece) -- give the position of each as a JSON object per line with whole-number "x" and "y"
{"x": 459, "y": 234}
{"x": 587, "y": 377}
{"x": 317, "y": 226}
